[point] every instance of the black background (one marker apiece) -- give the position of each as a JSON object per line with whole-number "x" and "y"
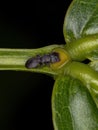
{"x": 25, "y": 98}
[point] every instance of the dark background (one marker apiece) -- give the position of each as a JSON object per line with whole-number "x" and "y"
{"x": 25, "y": 98}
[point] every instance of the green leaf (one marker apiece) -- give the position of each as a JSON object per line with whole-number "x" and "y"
{"x": 72, "y": 106}
{"x": 94, "y": 95}
{"x": 94, "y": 65}
{"x": 81, "y": 20}
{"x": 86, "y": 74}
{"x": 93, "y": 56}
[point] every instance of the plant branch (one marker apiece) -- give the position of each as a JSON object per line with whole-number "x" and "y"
{"x": 82, "y": 48}
{"x": 15, "y": 59}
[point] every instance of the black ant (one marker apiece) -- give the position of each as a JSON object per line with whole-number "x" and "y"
{"x": 38, "y": 60}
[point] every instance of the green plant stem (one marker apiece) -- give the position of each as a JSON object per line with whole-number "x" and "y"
{"x": 84, "y": 73}
{"x": 81, "y": 49}
{"x": 15, "y": 59}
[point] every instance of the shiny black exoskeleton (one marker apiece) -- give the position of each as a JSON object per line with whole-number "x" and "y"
{"x": 46, "y": 59}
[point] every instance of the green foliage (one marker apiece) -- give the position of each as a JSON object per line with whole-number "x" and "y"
{"x": 75, "y": 103}
{"x": 75, "y": 92}
{"x": 82, "y": 48}
{"x": 72, "y": 105}
{"x": 81, "y": 20}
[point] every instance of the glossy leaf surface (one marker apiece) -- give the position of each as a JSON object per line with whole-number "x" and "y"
{"x": 72, "y": 106}
{"x": 81, "y": 20}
